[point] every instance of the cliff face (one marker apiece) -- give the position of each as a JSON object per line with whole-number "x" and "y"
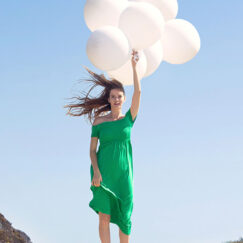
{"x": 8, "y": 234}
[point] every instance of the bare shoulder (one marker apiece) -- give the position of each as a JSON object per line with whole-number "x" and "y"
{"x": 98, "y": 120}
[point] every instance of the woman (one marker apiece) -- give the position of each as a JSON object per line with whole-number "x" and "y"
{"x": 112, "y": 166}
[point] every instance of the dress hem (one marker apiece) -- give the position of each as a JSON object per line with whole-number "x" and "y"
{"x": 112, "y": 220}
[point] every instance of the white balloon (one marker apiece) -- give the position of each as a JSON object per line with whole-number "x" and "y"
{"x": 154, "y": 56}
{"x": 98, "y": 13}
{"x": 142, "y": 23}
{"x": 168, "y": 8}
{"x": 108, "y": 48}
{"x": 124, "y": 74}
{"x": 181, "y": 41}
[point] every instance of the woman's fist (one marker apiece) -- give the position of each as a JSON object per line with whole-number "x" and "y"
{"x": 135, "y": 58}
{"x": 97, "y": 178}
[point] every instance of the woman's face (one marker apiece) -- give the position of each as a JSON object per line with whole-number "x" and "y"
{"x": 116, "y": 98}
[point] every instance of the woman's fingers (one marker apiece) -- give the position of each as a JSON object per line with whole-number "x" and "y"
{"x": 134, "y": 52}
{"x": 95, "y": 183}
{"x": 135, "y": 56}
{"x": 96, "y": 180}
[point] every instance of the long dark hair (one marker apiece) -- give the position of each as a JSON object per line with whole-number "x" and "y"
{"x": 86, "y": 105}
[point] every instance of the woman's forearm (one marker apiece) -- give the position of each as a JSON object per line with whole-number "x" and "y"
{"x": 136, "y": 82}
{"x": 94, "y": 163}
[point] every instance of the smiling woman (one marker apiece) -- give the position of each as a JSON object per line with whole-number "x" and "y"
{"x": 111, "y": 168}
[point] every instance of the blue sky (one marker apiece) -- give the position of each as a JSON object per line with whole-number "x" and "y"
{"x": 187, "y": 139}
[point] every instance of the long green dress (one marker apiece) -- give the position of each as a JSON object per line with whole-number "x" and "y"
{"x": 114, "y": 196}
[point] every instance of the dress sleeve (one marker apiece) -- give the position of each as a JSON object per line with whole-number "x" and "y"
{"x": 94, "y": 131}
{"x": 129, "y": 115}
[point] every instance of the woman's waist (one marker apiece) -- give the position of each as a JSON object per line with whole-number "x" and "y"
{"x": 113, "y": 142}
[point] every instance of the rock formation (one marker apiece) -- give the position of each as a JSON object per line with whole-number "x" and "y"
{"x": 8, "y": 234}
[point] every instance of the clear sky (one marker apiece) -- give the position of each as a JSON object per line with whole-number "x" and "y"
{"x": 187, "y": 139}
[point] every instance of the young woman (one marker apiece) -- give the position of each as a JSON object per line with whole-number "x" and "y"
{"x": 112, "y": 165}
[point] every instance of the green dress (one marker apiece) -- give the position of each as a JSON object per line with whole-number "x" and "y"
{"x": 114, "y": 196}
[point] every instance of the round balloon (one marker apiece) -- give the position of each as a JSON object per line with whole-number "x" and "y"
{"x": 168, "y": 8}
{"x": 108, "y": 48}
{"x": 98, "y": 13}
{"x": 154, "y": 56}
{"x": 181, "y": 41}
{"x": 142, "y": 23}
{"x": 124, "y": 74}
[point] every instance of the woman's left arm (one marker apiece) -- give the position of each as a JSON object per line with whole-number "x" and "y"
{"x": 137, "y": 86}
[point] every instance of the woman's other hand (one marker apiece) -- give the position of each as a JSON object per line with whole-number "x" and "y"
{"x": 135, "y": 58}
{"x": 97, "y": 178}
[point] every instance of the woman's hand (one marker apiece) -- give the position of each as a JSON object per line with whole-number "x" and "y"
{"x": 97, "y": 178}
{"x": 135, "y": 58}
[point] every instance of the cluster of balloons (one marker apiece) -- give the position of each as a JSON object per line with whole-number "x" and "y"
{"x": 147, "y": 26}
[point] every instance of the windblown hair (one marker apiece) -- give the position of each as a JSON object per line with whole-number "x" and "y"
{"x": 86, "y": 105}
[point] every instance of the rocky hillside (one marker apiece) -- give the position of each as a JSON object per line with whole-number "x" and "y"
{"x": 237, "y": 241}
{"x": 8, "y": 234}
